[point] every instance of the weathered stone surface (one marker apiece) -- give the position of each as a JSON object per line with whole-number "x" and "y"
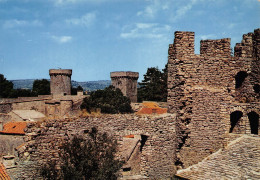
{"x": 60, "y": 81}
{"x": 205, "y": 89}
{"x": 157, "y": 156}
{"x": 240, "y": 159}
{"x": 126, "y": 81}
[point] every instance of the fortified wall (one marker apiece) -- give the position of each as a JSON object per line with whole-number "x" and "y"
{"x": 155, "y": 157}
{"x": 213, "y": 98}
{"x": 205, "y": 89}
{"x": 59, "y": 103}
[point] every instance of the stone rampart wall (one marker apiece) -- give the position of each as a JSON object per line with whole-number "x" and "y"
{"x": 158, "y": 153}
{"x": 198, "y": 84}
{"x": 30, "y": 105}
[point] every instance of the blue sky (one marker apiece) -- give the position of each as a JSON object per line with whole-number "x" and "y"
{"x": 96, "y": 37}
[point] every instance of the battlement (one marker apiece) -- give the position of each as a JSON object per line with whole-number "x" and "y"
{"x": 219, "y": 47}
{"x": 249, "y": 46}
{"x": 67, "y": 72}
{"x": 184, "y": 42}
{"x": 124, "y": 74}
{"x": 198, "y": 85}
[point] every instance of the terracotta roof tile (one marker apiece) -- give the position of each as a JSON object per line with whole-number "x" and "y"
{"x": 14, "y": 128}
{"x": 151, "y": 108}
{"x": 3, "y": 173}
{"x": 130, "y": 136}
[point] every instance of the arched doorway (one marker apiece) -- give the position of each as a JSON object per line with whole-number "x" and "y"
{"x": 240, "y": 78}
{"x": 234, "y": 120}
{"x": 254, "y": 122}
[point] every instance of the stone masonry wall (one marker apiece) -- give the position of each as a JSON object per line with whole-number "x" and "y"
{"x": 198, "y": 84}
{"x": 158, "y": 153}
{"x": 126, "y": 82}
{"x": 248, "y": 51}
{"x": 60, "y": 81}
{"x": 5, "y": 107}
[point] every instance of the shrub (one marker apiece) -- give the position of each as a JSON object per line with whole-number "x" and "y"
{"x": 90, "y": 157}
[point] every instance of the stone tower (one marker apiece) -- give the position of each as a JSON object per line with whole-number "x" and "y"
{"x": 126, "y": 81}
{"x": 60, "y": 81}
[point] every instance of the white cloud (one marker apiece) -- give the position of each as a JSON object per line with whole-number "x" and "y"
{"x": 182, "y": 10}
{"x": 62, "y": 39}
{"x": 175, "y": 9}
{"x": 231, "y": 25}
{"x": 21, "y": 23}
{"x": 207, "y": 36}
{"x": 144, "y": 30}
{"x": 153, "y": 8}
{"x": 85, "y": 20}
{"x": 63, "y": 2}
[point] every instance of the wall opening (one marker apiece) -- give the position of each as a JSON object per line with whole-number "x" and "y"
{"x": 240, "y": 78}
{"x": 143, "y": 140}
{"x": 254, "y": 122}
{"x": 234, "y": 118}
{"x": 256, "y": 88}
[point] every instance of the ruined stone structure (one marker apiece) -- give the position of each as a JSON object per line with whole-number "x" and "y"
{"x": 213, "y": 117}
{"x": 126, "y": 82}
{"x": 60, "y": 81}
{"x": 213, "y": 93}
{"x": 50, "y": 105}
{"x": 59, "y": 103}
{"x": 157, "y": 134}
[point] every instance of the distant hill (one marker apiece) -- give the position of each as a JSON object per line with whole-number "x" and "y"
{"x": 92, "y": 85}
{"x": 88, "y": 85}
{"x": 23, "y": 83}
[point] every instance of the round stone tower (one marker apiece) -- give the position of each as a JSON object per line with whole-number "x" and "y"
{"x": 60, "y": 81}
{"x": 126, "y": 81}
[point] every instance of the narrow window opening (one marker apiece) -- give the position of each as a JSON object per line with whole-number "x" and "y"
{"x": 256, "y": 88}
{"x": 254, "y": 122}
{"x": 143, "y": 140}
{"x": 240, "y": 78}
{"x": 234, "y": 118}
{"x": 127, "y": 169}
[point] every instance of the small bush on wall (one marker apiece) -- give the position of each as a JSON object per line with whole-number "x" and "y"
{"x": 89, "y": 157}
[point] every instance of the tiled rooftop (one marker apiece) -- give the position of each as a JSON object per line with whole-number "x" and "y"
{"x": 14, "y": 128}
{"x": 151, "y": 108}
{"x": 239, "y": 160}
{"x": 3, "y": 173}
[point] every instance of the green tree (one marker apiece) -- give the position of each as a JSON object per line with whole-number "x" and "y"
{"x": 82, "y": 158}
{"x": 20, "y": 93}
{"x": 154, "y": 85}
{"x": 110, "y": 100}
{"x": 6, "y": 87}
{"x": 41, "y": 87}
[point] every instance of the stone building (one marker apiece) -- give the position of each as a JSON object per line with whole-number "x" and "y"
{"x": 213, "y": 93}
{"x": 60, "y": 81}
{"x": 211, "y": 130}
{"x": 126, "y": 82}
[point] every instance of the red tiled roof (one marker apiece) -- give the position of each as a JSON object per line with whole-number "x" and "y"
{"x": 130, "y": 136}
{"x": 151, "y": 108}
{"x": 14, "y": 128}
{"x": 3, "y": 173}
